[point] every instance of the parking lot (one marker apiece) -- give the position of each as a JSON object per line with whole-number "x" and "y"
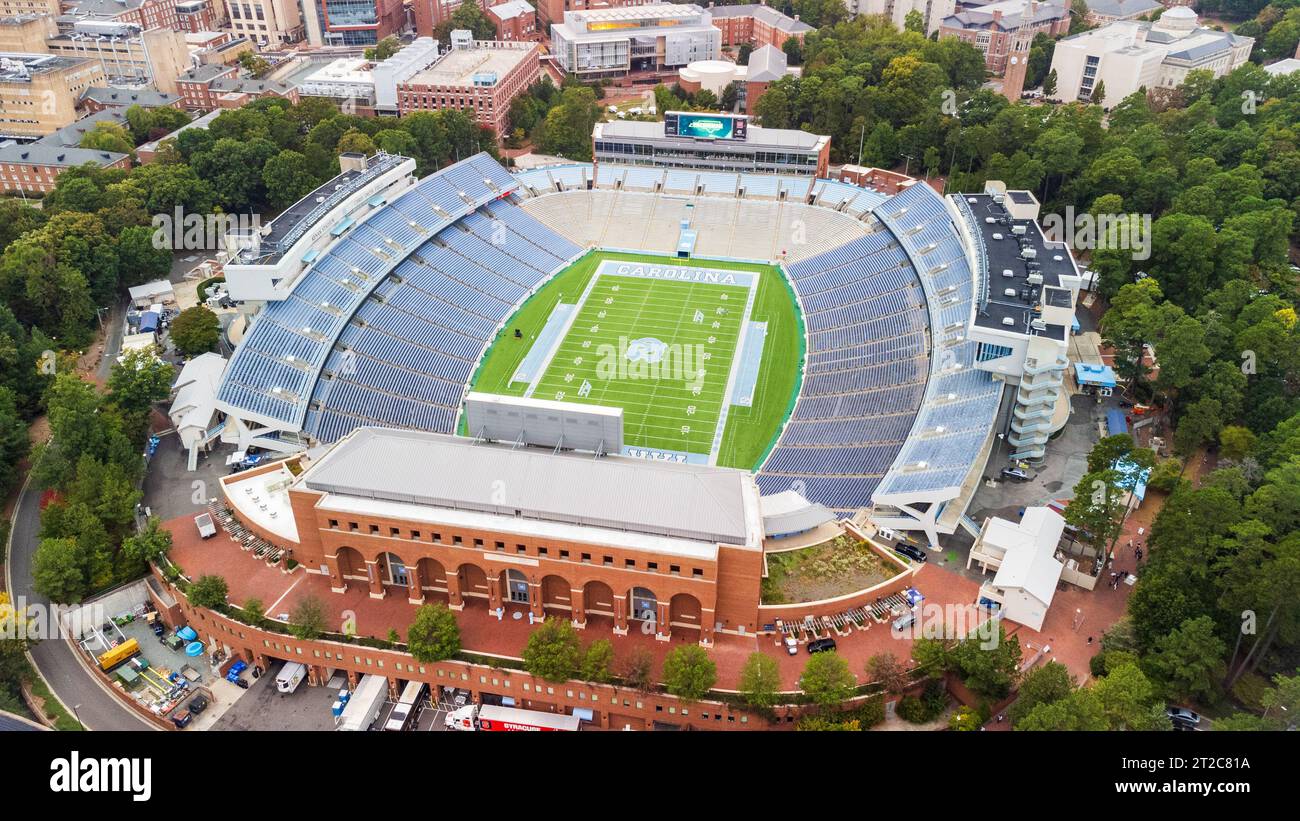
{"x": 170, "y": 489}
{"x": 262, "y": 707}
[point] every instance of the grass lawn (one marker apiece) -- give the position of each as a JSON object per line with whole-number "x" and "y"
{"x": 824, "y": 571}
{"x": 663, "y": 413}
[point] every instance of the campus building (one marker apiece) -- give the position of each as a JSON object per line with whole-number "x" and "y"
{"x": 932, "y": 11}
{"x": 266, "y": 22}
{"x": 21, "y": 8}
{"x": 1023, "y": 322}
{"x": 1126, "y": 56}
{"x": 514, "y": 20}
{"x": 993, "y": 28}
{"x": 562, "y": 533}
{"x": 194, "y": 16}
{"x": 614, "y": 42}
{"x": 146, "y": 14}
{"x": 756, "y": 25}
{"x": 480, "y": 77}
{"x": 39, "y": 93}
{"x": 128, "y": 53}
{"x": 719, "y": 142}
{"x": 766, "y": 65}
{"x": 351, "y": 22}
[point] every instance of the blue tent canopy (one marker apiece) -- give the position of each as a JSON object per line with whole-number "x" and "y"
{"x": 1115, "y": 422}
{"x": 1102, "y": 376}
{"x": 148, "y": 322}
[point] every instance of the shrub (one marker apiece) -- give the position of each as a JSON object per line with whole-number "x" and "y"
{"x": 209, "y": 592}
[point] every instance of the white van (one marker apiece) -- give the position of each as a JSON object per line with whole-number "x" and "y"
{"x": 405, "y": 708}
{"x": 290, "y": 676}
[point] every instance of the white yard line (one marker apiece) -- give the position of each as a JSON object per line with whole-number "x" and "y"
{"x": 736, "y": 357}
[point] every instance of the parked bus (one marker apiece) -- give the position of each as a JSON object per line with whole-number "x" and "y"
{"x": 406, "y": 708}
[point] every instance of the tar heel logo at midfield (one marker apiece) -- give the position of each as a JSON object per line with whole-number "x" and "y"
{"x": 98, "y": 775}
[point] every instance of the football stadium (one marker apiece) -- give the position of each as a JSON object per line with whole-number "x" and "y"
{"x": 828, "y": 338}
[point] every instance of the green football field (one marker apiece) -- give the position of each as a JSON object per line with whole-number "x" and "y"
{"x": 656, "y": 409}
{"x": 673, "y": 403}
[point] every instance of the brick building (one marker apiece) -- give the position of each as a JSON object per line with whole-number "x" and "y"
{"x": 480, "y": 76}
{"x": 194, "y": 16}
{"x": 147, "y": 14}
{"x": 556, "y": 532}
{"x": 514, "y": 20}
{"x": 756, "y": 25}
{"x": 993, "y": 28}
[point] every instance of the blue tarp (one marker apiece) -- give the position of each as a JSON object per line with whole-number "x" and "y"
{"x": 1115, "y": 422}
{"x": 148, "y": 322}
{"x": 1099, "y": 375}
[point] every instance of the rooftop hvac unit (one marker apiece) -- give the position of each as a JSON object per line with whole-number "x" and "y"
{"x": 1007, "y": 272}
{"x": 997, "y": 236}
{"x": 1008, "y": 321}
{"x": 1035, "y": 278}
{"x": 1029, "y": 253}
{"x": 1019, "y": 229}
{"x": 1011, "y": 292}
{"x": 990, "y": 220}
{"x": 1038, "y": 325}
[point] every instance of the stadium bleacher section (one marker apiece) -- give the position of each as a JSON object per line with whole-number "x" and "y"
{"x": 387, "y": 327}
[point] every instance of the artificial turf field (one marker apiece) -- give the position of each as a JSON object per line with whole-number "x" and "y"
{"x": 663, "y": 413}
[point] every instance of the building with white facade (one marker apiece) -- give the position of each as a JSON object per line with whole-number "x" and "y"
{"x": 1022, "y": 324}
{"x": 1024, "y": 555}
{"x": 1128, "y": 55}
{"x": 613, "y": 42}
{"x": 932, "y": 11}
{"x": 399, "y": 68}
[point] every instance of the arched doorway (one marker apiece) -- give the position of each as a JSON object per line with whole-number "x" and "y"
{"x": 392, "y": 570}
{"x": 352, "y": 567}
{"x": 643, "y": 605}
{"x": 556, "y": 594}
{"x": 684, "y": 611}
{"x": 516, "y": 591}
{"x": 598, "y": 599}
{"x": 473, "y": 581}
{"x": 432, "y": 575}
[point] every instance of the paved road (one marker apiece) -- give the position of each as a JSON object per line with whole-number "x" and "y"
{"x": 55, "y": 659}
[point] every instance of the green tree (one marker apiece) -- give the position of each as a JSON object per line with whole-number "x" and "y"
{"x": 384, "y": 49}
{"x": 195, "y": 331}
{"x": 149, "y": 545}
{"x": 597, "y": 662}
{"x": 760, "y": 679}
{"x": 688, "y": 672}
{"x": 827, "y": 679}
{"x": 208, "y": 591}
{"x": 434, "y": 635}
{"x": 553, "y": 651}
{"x": 1188, "y": 662}
{"x": 56, "y": 571}
{"x": 1047, "y": 684}
{"x": 288, "y": 178}
{"x": 139, "y": 380}
{"x": 254, "y": 611}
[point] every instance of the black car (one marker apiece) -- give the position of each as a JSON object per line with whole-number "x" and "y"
{"x": 198, "y": 704}
{"x": 912, "y": 552}
{"x": 821, "y": 645}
